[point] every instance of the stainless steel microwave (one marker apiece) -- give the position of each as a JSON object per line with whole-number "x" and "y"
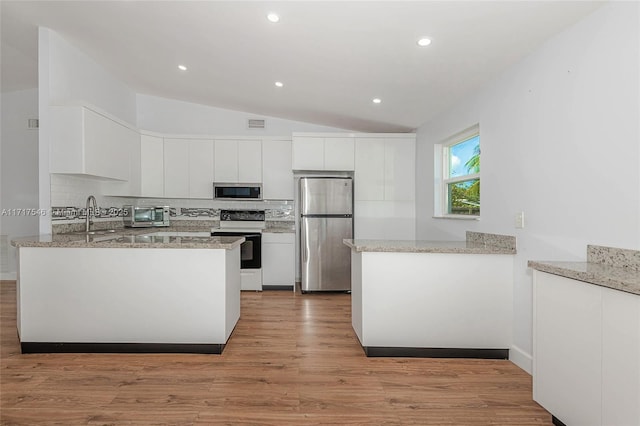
{"x": 237, "y": 191}
{"x": 143, "y": 217}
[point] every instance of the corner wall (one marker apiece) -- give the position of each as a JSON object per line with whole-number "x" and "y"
{"x": 560, "y": 141}
{"x": 19, "y": 172}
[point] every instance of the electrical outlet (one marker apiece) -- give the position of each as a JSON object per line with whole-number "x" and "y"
{"x": 520, "y": 220}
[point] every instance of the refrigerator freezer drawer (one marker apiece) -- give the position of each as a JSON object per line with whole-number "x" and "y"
{"x": 326, "y": 261}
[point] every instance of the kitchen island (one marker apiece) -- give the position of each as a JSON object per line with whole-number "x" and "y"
{"x": 127, "y": 291}
{"x": 433, "y": 298}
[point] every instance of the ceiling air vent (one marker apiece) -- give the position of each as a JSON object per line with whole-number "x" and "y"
{"x": 255, "y": 123}
{"x": 33, "y": 123}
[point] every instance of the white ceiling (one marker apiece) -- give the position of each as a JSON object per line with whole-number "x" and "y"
{"x": 333, "y": 57}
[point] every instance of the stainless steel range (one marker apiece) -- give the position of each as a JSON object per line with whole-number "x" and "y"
{"x": 248, "y": 224}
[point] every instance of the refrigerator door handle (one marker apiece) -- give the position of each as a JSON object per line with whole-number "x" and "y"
{"x": 305, "y": 249}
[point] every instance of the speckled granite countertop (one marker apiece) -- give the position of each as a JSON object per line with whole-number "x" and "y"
{"x": 285, "y": 228}
{"x": 476, "y": 243}
{"x": 171, "y": 237}
{"x": 618, "y": 269}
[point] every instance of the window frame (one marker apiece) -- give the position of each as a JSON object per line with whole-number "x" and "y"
{"x": 441, "y": 174}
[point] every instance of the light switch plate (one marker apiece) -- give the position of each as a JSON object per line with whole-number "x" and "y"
{"x": 520, "y": 220}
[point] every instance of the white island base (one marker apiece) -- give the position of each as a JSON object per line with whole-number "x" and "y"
{"x": 127, "y": 299}
{"x": 452, "y": 305}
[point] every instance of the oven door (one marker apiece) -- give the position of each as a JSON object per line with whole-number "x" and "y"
{"x": 250, "y": 250}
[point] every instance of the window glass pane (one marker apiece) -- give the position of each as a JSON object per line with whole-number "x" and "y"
{"x": 464, "y": 157}
{"x": 464, "y": 197}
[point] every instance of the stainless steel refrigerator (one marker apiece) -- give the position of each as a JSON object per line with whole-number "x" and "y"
{"x": 326, "y": 218}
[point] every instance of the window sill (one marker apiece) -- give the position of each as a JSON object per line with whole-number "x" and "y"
{"x": 457, "y": 217}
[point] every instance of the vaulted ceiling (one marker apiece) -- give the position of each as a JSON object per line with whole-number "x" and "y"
{"x": 332, "y": 57}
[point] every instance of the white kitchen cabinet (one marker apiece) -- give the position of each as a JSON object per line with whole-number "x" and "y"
{"x": 385, "y": 169}
{"x": 176, "y": 168}
{"x": 370, "y": 171}
{"x": 567, "y": 349}
{"x": 620, "y": 358}
{"x": 238, "y": 161}
{"x": 308, "y": 153}
{"x": 399, "y": 169}
{"x": 334, "y": 153}
{"x": 151, "y": 166}
{"x": 226, "y": 161}
{"x": 384, "y": 187}
{"x": 250, "y": 161}
{"x": 201, "y": 172}
{"x": 86, "y": 142}
{"x": 278, "y": 259}
{"x": 277, "y": 181}
{"x": 339, "y": 153}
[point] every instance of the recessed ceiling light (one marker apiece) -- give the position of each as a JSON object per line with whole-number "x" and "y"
{"x": 273, "y": 17}
{"x": 182, "y": 68}
{"x": 377, "y": 100}
{"x": 279, "y": 84}
{"x": 424, "y": 42}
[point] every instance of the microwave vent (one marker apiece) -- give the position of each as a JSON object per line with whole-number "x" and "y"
{"x": 256, "y": 123}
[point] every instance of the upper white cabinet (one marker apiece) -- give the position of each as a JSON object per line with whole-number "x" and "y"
{"x": 277, "y": 180}
{"x": 201, "y": 168}
{"x": 188, "y": 168}
{"x": 331, "y": 153}
{"x": 238, "y": 161}
{"x": 151, "y": 166}
{"x": 385, "y": 168}
{"x": 176, "y": 168}
{"x": 89, "y": 143}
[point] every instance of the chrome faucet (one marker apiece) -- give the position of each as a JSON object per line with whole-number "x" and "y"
{"x": 88, "y": 207}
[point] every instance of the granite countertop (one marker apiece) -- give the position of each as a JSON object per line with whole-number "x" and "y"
{"x": 170, "y": 237}
{"x": 618, "y": 269}
{"x": 476, "y": 243}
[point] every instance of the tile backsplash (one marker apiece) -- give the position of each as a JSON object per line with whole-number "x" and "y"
{"x": 69, "y": 195}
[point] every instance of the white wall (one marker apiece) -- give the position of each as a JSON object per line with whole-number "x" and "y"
{"x": 177, "y": 117}
{"x": 68, "y": 75}
{"x": 75, "y": 76}
{"x": 560, "y": 141}
{"x": 18, "y": 172}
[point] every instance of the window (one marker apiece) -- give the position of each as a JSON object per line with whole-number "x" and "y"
{"x": 458, "y": 175}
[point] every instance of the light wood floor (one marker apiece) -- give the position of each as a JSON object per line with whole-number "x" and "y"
{"x": 292, "y": 359}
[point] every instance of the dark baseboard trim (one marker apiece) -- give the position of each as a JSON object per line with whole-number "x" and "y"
{"x": 556, "y": 421}
{"x": 277, "y": 287}
{"x": 127, "y": 348}
{"x": 377, "y": 351}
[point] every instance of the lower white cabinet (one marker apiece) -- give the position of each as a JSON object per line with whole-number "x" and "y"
{"x": 620, "y": 358}
{"x": 278, "y": 259}
{"x": 586, "y": 352}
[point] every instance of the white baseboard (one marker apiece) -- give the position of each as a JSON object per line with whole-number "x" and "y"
{"x": 521, "y": 359}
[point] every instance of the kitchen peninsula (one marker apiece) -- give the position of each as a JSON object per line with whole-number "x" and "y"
{"x": 127, "y": 291}
{"x": 433, "y": 298}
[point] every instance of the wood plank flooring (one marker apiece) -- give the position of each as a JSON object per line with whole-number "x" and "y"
{"x": 292, "y": 360}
